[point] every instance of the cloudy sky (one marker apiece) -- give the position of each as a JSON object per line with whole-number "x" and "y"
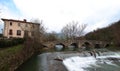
{"x": 57, "y": 13}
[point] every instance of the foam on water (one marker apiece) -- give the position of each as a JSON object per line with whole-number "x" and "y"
{"x": 78, "y": 63}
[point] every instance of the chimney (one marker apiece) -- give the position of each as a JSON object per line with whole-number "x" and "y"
{"x": 24, "y": 20}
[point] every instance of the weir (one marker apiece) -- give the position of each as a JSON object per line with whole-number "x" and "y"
{"x": 107, "y": 61}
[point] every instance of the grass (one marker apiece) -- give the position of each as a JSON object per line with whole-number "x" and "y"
{"x": 6, "y": 55}
{"x": 11, "y": 50}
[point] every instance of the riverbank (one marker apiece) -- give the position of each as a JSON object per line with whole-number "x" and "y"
{"x": 11, "y": 58}
{"x": 7, "y": 57}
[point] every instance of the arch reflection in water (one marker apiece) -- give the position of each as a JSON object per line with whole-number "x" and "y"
{"x": 71, "y": 47}
{"x": 59, "y": 47}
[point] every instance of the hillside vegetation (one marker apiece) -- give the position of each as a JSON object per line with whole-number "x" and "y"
{"x": 110, "y": 33}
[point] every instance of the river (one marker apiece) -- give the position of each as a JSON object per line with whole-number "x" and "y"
{"x": 73, "y": 61}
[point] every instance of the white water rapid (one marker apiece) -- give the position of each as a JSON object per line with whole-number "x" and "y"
{"x": 110, "y": 62}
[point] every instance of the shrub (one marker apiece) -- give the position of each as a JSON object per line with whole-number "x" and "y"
{"x": 10, "y": 42}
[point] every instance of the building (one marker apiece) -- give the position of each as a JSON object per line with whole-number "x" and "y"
{"x": 17, "y": 28}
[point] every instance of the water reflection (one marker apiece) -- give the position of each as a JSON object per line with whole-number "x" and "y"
{"x": 36, "y": 63}
{"x": 71, "y": 47}
{"x": 59, "y": 47}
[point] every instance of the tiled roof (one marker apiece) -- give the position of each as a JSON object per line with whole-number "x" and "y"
{"x": 24, "y": 21}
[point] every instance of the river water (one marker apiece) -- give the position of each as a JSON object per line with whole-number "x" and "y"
{"x": 73, "y": 61}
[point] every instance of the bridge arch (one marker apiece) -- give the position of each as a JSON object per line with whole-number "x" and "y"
{"x": 74, "y": 44}
{"x": 59, "y": 46}
{"x": 107, "y": 45}
{"x": 97, "y": 45}
{"x": 87, "y": 45}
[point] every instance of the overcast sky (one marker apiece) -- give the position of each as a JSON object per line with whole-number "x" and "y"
{"x": 57, "y": 13}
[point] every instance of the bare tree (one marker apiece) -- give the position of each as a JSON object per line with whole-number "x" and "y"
{"x": 73, "y": 29}
{"x": 51, "y": 36}
{"x": 38, "y": 32}
{"x": 81, "y": 29}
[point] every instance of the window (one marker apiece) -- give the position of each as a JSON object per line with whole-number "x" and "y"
{"x": 10, "y": 23}
{"x": 18, "y": 24}
{"x": 18, "y": 32}
{"x": 10, "y": 32}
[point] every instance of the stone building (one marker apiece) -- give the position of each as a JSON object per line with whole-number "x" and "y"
{"x": 16, "y": 28}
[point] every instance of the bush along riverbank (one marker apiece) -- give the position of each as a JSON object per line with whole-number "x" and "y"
{"x": 4, "y": 42}
{"x": 12, "y": 57}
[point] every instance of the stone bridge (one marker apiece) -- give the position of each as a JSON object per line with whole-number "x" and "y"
{"x": 78, "y": 43}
